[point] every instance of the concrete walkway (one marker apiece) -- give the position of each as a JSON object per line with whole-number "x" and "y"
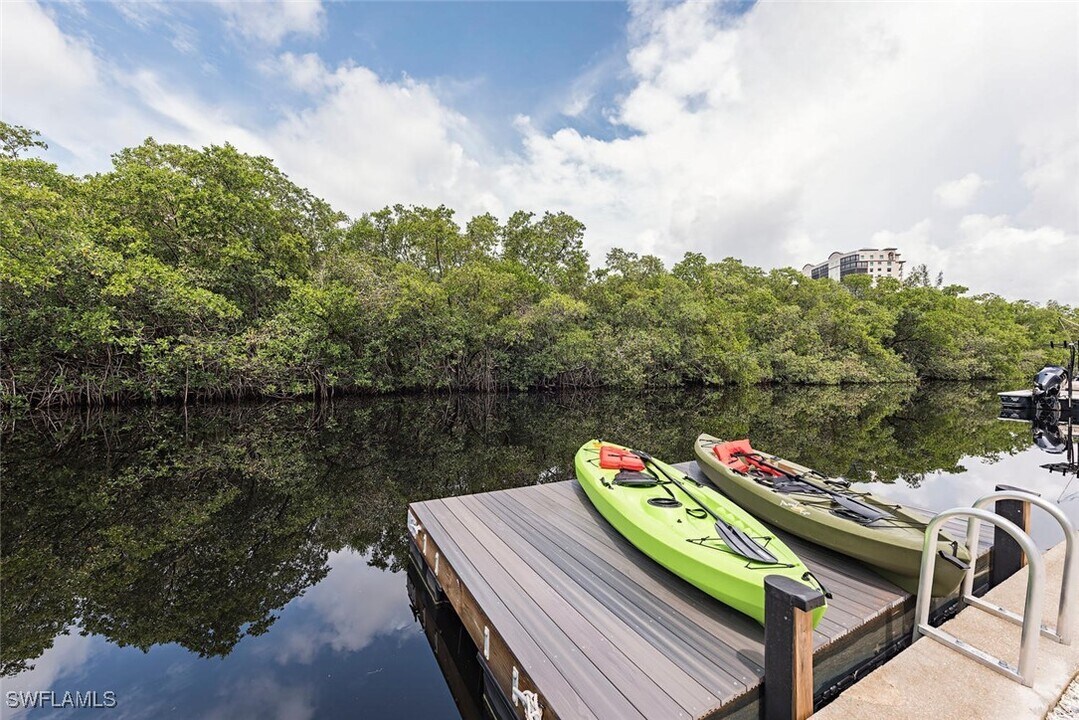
{"x": 930, "y": 680}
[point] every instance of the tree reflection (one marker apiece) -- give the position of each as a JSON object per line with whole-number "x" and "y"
{"x": 154, "y": 526}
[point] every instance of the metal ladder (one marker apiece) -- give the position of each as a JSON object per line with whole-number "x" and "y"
{"x": 1030, "y": 619}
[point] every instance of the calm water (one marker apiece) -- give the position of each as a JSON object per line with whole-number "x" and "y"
{"x": 248, "y": 561}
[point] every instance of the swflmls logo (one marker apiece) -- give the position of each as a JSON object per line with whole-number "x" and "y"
{"x": 53, "y": 699}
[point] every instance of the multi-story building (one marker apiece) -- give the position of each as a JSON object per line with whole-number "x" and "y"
{"x": 874, "y": 262}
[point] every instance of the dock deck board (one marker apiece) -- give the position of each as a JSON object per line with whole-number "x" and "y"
{"x": 601, "y": 631}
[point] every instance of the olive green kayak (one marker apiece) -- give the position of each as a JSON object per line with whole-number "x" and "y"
{"x": 686, "y": 527}
{"x": 886, "y": 536}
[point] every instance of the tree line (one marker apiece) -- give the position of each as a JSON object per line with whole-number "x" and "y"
{"x": 193, "y": 274}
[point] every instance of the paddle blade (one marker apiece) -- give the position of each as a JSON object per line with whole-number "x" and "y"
{"x": 855, "y": 509}
{"x": 865, "y": 513}
{"x": 744, "y": 545}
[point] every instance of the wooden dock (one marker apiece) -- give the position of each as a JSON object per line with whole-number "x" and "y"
{"x": 544, "y": 586}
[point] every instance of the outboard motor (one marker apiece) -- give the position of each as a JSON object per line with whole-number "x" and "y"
{"x": 1047, "y": 433}
{"x": 1048, "y": 383}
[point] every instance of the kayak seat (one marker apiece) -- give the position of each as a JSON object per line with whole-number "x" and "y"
{"x": 632, "y": 478}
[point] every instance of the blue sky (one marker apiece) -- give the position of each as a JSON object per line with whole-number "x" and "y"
{"x": 772, "y": 132}
{"x": 491, "y": 60}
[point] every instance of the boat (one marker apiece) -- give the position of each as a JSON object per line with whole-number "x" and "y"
{"x": 688, "y": 527}
{"x": 883, "y": 535}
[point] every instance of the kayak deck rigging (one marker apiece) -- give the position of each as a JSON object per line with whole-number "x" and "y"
{"x": 888, "y": 537}
{"x": 750, "y": 563}
{"x": 845, "y": 502}
{"x": 736, "y": 541}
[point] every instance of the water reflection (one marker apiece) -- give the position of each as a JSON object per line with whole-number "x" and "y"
{"x": 1056, "y": 437}
{"x": 347, "y": 642}
{"x": 452, "y": 647}
{"x": 244, "y": 560}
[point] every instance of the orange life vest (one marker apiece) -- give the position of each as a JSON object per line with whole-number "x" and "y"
{"x": 612, "y": 458}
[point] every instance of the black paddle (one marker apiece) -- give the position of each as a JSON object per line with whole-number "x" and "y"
{"x": 737, "y": 540}
{"x": 797, "y": 483}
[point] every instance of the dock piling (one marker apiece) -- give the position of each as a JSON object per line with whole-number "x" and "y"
{"x": 788, "y": 648}
{"x": 1008, "y": 557}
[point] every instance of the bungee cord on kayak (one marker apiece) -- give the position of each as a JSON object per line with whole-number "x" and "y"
{"x": 737, "y": 541}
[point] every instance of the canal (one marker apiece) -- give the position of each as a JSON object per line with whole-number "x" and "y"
{"x": 249, "y": 560}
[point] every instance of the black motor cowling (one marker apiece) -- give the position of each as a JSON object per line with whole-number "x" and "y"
{"x": 1048, "y": 383}
{"x": 1048, "y": 434}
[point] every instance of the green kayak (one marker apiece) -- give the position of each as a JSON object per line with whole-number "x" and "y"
{"x": 881, "y": 534}
{"x": 688, "y": 528}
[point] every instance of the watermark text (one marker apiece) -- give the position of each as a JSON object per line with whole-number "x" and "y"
{"x": 54, "y": 699}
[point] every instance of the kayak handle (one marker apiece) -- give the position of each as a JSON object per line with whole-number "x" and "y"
{"x": 807, "y": 575}
{"x": 954, "y": 560}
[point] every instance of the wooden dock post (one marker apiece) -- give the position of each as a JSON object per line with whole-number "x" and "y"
{"x": 788, "y": 648}
{"x": 1008, "y": 557}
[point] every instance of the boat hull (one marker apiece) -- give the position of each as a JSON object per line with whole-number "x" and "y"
{"x": 893, "y": 548}
{"x": 680, "y": 540}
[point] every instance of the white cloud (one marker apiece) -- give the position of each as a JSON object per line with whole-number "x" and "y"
{"x": 918, "y": 245}
{"x": 988, "y": 254}
{"x": 141, "y": 13}
{"x": 581, "y": 96}
{"x": 776, "y": 136}
{"x": 365, "y": 143}
{"x": 265, "y": 698}
{"x": 186, "y": 117}
{"x": 1050, "y": 161}
{"x": 800, "y": 129}
{"x": 959, "y": 193}
{"x": 577, "y": 103}
{"x": 89, "y": 108}
{"x": 304, "y": 72}
{"x": 184, "y": 39}
{"x": 67, "y": 658}
{"x": 151, "y": 15}
{"x": 368, "y": 143}
{"x": 270, "y": 21}
{"x": 374, "y": 609}
{"x": 51, "y": 80}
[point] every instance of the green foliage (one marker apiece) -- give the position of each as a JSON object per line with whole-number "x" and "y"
{"x": 188, "y": 274}
{"x": 551, "y": 248}
{"x": 15, "y": 139}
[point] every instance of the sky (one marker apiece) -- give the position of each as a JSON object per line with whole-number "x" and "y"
{"x": 773, "y": 132}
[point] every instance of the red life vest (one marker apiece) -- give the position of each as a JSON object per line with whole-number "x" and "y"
{"x": 736, "y": 455}
{"x": 612, "y": 458}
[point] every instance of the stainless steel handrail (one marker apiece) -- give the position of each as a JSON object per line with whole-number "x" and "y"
{"x": 1062, "y": 633}
{"x": 1032, "y": 609}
